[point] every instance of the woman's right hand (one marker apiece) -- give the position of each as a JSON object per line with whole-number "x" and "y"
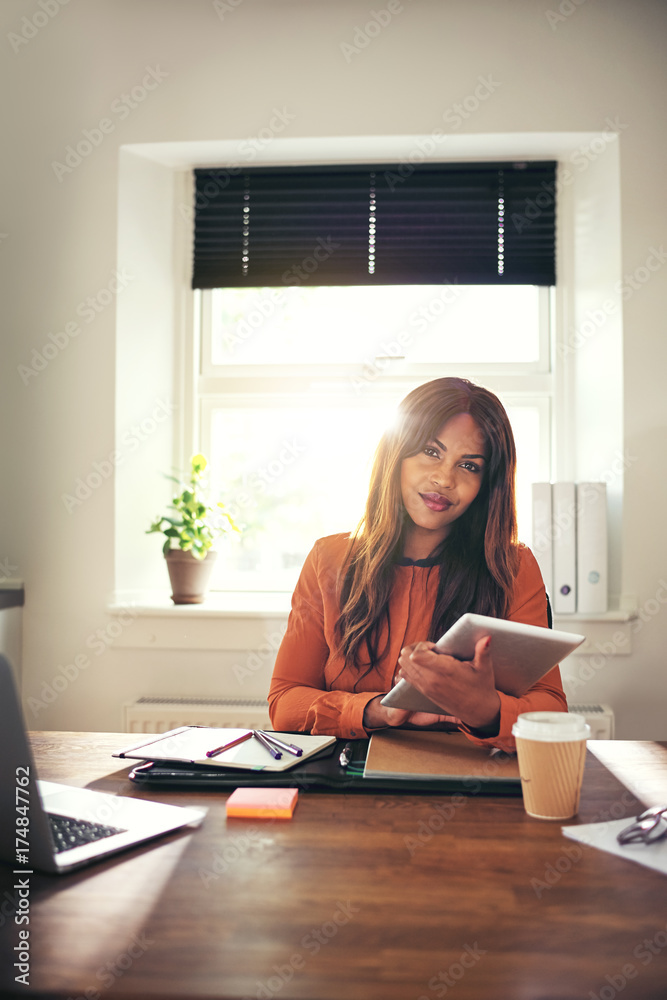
{"x": 378, "y": 716}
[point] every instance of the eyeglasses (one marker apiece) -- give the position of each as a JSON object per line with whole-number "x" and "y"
{"x": 647, "y": 828}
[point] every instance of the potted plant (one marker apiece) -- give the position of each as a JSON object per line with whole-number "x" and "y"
{"x": 190, "y": 531}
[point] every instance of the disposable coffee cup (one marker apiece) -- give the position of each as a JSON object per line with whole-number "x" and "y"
{"x": 551, "y": 748}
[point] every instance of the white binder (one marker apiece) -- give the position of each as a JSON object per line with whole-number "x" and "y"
{"x": 542, "y": 533}
{"x": 592, "y": 575}
{"x": 564, "y": 518}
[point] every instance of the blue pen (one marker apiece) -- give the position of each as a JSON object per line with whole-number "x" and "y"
{"x": 265, "y": 743}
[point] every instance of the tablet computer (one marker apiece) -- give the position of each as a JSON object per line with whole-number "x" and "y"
{"x": 521, "y": 654}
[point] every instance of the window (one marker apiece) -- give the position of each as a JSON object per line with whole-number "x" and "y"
{"x": 290, "y": 420}
{"x": 325, "y": 295}
{"x": 577, "y": 402}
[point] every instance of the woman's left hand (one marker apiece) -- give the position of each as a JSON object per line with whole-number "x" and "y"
{"x": 463, "y": 688}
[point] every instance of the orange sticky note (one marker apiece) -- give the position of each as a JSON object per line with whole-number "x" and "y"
{"x": 263, "y": 803}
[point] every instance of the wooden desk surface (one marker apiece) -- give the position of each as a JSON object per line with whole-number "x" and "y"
{"x": 398, "y": 897}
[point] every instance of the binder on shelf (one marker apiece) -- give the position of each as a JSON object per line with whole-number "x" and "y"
{"x": 542, "y": 533}
{"x": 592, "y": 570}
{"x": 564, "y": 518}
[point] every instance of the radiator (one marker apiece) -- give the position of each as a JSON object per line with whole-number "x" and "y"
{"x": 599, "y": 717}
{"x": 158, "y": 714}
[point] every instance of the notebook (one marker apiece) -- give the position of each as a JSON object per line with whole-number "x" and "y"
{"x": 415, "y": 755}
{"x": 191, "y": 744}
{"x": 58, "y": 828}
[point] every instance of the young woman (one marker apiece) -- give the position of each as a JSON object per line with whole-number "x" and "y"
{"x": 438, "y": 538}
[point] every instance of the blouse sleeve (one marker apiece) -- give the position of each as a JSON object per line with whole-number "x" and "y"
{"x": 547, "y": 695}
{"x": 298, "y": 698}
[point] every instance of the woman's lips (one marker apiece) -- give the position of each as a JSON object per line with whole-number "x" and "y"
{"x": 434, "y": 501}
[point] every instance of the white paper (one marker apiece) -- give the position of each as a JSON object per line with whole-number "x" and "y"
{"x": 603, "y": 836}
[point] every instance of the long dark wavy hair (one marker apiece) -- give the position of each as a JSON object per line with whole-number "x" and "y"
{"x": 478, "y": 559}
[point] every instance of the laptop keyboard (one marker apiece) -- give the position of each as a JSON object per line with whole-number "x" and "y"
{"x": 68, "y": 832}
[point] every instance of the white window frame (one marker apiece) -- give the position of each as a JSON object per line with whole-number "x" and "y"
{"x": 155, "y": 343}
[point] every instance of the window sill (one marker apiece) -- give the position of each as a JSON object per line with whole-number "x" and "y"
{"x": 252, "y": 621}
{"x": 615, "y": 615}
{"x": 609, "y": 633}
{"x": 235, "y": 604}
{"x": 217, "y": 604}
{"x": 149, "y": 620}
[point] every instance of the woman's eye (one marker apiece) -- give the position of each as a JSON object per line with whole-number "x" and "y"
{"x": 471, "y": 467}
{"x": 432, "y": 452}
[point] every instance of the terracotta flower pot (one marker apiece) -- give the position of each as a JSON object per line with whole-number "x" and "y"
{"x": 189, "y": 576}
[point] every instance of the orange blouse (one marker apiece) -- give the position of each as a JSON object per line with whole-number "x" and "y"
{"x": 315, "y": 690}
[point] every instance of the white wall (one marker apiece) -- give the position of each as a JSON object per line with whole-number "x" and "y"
{"x": 226, "y": 72}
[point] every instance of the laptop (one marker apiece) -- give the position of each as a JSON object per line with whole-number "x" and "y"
{"x": 58, "y": 828}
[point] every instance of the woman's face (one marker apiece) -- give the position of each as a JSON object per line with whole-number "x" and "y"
{"x": 439, "y": 483}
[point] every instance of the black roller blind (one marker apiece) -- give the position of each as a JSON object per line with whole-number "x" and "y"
{"x": 473, "y": 223}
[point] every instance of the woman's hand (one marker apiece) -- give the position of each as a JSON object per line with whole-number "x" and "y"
{"x": 377, "y": 716}
{"x": 463, "y": 688}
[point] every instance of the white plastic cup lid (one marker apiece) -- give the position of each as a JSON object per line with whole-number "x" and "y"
{"x": 551, "y": 727}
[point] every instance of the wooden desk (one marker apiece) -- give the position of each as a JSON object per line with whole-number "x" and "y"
{"x": 389, "y": 897}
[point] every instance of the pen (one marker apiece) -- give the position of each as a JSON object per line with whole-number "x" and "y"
{"x": 265, "y": 743}
{"x": 345, "y": 755}
{"x": 227, "y": 746}
{"x": 289, "y": 747}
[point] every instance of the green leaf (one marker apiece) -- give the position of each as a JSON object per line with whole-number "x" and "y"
{"x": 193, "y": 524}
